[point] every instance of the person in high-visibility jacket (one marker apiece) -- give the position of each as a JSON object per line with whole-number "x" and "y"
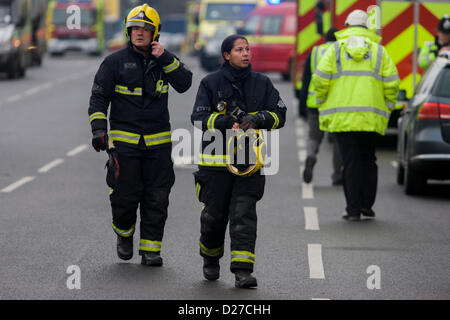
{"x": 356, "y": 85}
{"x": 431, "y": 49}
{"x": 308, "y": 99}
{"x": 135, "y": 81}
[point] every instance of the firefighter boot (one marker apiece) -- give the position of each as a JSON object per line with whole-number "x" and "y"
{"x": 211, "y": 269}
{"x": 125, "y": 247}
{"x": 152, "y": 259}
{"x": 244, "y": 279}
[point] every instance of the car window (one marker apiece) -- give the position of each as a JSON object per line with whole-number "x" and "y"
{"x": 251, "y": 25}
{"x": 271, "y": 25}
{"x": 443, "y": 85}
{"x": 428, "y": 79}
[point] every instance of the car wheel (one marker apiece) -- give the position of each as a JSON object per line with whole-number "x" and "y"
{"x": 400, "y": 174}
{"x": 415, "y": 181}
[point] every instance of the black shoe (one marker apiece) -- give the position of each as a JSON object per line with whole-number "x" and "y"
{"x": 308, "y": 172}
{"x": 125, "y": 247}
{"x": 351, "y": 217}
{"x": 151, "y": 259}
{"x": 244, "y": 279}
{"x": 337, "y": 182}
{"x": 368, "y": 213}
{"x": 211, "y": 269}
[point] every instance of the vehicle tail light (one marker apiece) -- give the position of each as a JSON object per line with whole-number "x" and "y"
{"x": 429, "y": 110}
{"x": 434, "y": 111}
{"x": 444, "y": 111}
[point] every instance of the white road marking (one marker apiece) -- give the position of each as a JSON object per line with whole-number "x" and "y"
{"x": 301, "y": 143}
{"x": 316, "y": 270}
{"x": 394, "y": 164}
{"x": 307, "y": 191}
{"x": 50, "y": 165}
{"x": 17, "y": 184}
{"x": 14, "y": 98}
{"x": 299, "y": 131}
{"x": 77, "y": 150}
{"x": 311, "y": 218}
{"x": 301, "y": 155}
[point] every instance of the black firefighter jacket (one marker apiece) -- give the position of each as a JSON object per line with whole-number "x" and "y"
{"x": 255, "y": 95}
{"x": 137, "y": 89}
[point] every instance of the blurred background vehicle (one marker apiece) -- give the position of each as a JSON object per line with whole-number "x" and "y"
{"x": 15, "y": 37}
{"x": 173, "y": 32}
{"x": 424, "y": 130}
{"x": 210, "y": 55}
{"x": 87, "y": 37}
{"x": 271, "y": 32}
{"x": 213, "y": 13}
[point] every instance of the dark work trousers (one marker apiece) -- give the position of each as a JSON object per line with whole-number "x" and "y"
{"x": 360, "y": 173}
{"x": 315, "y": 137}
{"x": 145, "y": 180}
{"x": 228, "y": 197}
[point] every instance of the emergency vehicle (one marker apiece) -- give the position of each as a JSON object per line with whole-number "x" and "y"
{"x": 393, "y": 20}
{"x": 65, "y": 35}
{"x": 271, "y": 32}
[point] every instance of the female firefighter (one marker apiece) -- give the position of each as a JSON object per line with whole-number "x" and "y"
{"x": 236, "y": 98}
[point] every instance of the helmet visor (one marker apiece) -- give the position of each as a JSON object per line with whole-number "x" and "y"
{"x": 144, "y": 24}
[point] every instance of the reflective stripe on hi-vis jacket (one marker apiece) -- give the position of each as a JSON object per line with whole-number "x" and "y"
{"x": 124, "y": 233}
{"x": 133, "y": 138}
{"x": 124, "y": 90}
{"x": 171, "y": 67}
{"x": 213, "y": 160}
{"x": 215, "y": 252}
{"x": 149, "y": 245}
{"x": 97, "y": 115}
{"x": 242, "y": 256}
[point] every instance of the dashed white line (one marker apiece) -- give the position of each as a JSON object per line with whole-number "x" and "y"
{"x": 302, "y": 155}
{"x": 299, "y": 131}
{"x": 316, "y": 270}
{"x": 77, "y": 150}
{"x": 307, "y": 191}
{"x": 394, "y": 164}
{"x": 50, "y": 165}
{"x": 301, "y": 143}
{"x": 311, "y": 218}
{"x": 17, "y": 184}
{"x": 14, "y": 98}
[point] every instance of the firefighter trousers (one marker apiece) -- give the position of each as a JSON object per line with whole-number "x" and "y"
{"x": 145, "y": 179}
{"x": 228, "y": 197}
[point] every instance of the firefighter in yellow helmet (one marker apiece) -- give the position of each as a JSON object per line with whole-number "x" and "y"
{"x": 135, "y": 82}
{"x": 230, "y": 99}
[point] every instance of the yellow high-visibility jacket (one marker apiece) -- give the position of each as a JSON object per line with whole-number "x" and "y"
{"x": 356, "y": 83}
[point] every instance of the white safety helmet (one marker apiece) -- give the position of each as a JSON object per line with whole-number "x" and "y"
{"x": 357, "y": 18}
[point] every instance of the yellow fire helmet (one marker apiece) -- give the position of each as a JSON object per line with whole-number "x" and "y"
{"x": 144, "y": 16}
{"x": 246, "y": 152}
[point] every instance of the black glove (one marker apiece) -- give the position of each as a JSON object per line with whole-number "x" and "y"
{"x": 237, "y": 114}
{"x": 100, "y": 140}
{"x": 113, "y": 168}
{"x": 252, "y": 121}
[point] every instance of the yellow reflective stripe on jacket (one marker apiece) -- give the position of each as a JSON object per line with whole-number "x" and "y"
{"x": 159, "y": 138}
{"x": 171, "y": 67}
{"x": 124, "y": 233}
{"x": 149, "y": 245}
{"x": 213, "y": 160}
{"x": 242, "y": 256}
{"x": 211, "y": 252}
{"x": 211, "y": 119}
{"x": 275, "y": 117}
{"x": 118, "y": 135}
{"x": 97, "y": 115}
{"x": 198, "y": 187}
{"x": 165, "y": 89}
{"x": 124, "y": 90}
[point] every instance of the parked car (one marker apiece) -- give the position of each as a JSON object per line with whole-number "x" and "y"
{"x": 173, "y": 32}
{"x": 424, "y": 130}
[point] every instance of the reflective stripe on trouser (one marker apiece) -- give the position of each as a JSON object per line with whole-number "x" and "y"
{"x": 149, "y": 246}
{"x": 145, "y": 180}
{"x": 229, "y": 198}
{"x": 124, "y": 233}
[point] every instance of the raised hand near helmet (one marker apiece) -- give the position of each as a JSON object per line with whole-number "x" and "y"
{"x": 157, "y": 49}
